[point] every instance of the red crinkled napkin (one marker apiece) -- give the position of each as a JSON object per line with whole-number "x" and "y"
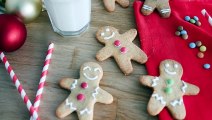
{"x": 158, "y": 40}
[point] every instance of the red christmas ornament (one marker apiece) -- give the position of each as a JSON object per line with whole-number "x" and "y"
{"x": 12, "y": 33}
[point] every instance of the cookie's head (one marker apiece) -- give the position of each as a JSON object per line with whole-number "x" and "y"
{"x": 171, "y": 68}
{"x": 91, "y": 71}
{"x": 106, "y": 34}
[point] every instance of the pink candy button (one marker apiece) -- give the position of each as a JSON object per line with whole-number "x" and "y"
{"x": 80, "y": 97}
{"x": 117, "y": 43}
{"x": 84, "y": 85}
{"x": 123, "y": 50}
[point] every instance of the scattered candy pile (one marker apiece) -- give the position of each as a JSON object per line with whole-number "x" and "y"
{"x": 194, "y": 20}
{"x": 181, "y": 32}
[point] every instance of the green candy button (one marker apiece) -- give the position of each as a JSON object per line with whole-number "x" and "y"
{"x": 169, "y": 82}
{"x": 168, "y": 90}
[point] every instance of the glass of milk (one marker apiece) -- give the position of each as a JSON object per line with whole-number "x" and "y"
{"x": 69, "y": 17}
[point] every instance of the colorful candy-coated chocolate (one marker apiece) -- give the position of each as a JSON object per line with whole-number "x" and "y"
{"x": 198, "y": 23}
{"x": 177, "y": 33}
{"x": 203, "y": 48}
{"x": 180, "y": 28}
{"x": 183, "y": 32}
{"x": 198, "y": 43}
{"x": 192, "y": 45}
{"x": 80, "y": 97}
{"x": 196, "y": 18}
{"x": 123, "y": 50}
{"x": 200, "y": 55}
{"x": 207, "y": 66}
{"x": 185, "y": 37}
{"x": 168, "y": 90}
{"x": 117, "y": 43}
{"x": 192, "y": 21}
{"x": 84, "y": 85}
{"x": 187, "y": 18}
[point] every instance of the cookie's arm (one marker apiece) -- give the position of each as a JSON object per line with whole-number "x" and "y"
{"x": 139, "y": 55}
{"x": 67, "y": 82}
{"x": 123, "y": 3}
{"x": 104, "y": 97}
{"x": 104, "y": 53}
{"x": 130, "y": 35}
{"x": 148, "y": 80}
{"x": 109, "y": 5}
{"x": 191, "y": 89}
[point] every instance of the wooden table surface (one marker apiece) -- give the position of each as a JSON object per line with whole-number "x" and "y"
{"x": 130, "y": 97}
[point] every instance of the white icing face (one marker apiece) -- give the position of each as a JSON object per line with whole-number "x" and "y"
{"x": 107, "y": 34}
{"x": 91, "y": 73}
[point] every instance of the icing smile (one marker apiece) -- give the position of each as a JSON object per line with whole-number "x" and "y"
{"x": 90, "y": 78}
{"x": 109, "y": 37}
{"x": 170, "y": 72}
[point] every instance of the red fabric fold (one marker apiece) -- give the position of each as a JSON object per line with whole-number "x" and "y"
{"x": 158, "y": 40}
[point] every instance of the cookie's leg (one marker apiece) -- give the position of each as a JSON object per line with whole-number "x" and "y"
{"x": 164, "y": 9}
{"x": 104, "y": 97}
{"x": 124, "y": 64}
{"x": 178, "y": 111}
{"x": 86, "y": 113}
{"x": 109, "y": 5}
{"x": 104, "y": 53}
{"x": 66, "y": 108}
{"x": 123, "y": 3}
{"x": 156, "y": 104}
{"x": 139, "y": 56}
{"x": 66, "y": 83}
{"x": 148, "y": 7}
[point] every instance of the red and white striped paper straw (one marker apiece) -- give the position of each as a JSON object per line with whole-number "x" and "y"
{"x": 43, "y": 78}
{"x": 205, "y": 14}
{"x": 19, "y": 87}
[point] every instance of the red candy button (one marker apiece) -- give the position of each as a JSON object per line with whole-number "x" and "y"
{"x": 117, "y": 43}
{"x": 84, "y": 85}
{"x": 123, "y": 50}
{"x": 80, "y": 97}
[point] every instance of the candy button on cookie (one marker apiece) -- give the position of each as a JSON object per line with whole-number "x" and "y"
{"x": 123, "y": 50}
{"x": 196, "y": 18}
{"x": 183, "y": 32}
{"x": 117, "y": 43}
{"x": 198, "y": 43}
{"x": 168, "y": 90}
{"x": 169, "y": 82}
{"x": 84, "y": 85}
{"x": 80, "y": 97}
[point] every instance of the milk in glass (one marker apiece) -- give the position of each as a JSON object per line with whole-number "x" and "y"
{"x": 69, "y": 17}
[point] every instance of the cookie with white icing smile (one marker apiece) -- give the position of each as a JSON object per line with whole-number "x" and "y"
{"x": 85, "y": 92}
{"x": 168, "y": 89}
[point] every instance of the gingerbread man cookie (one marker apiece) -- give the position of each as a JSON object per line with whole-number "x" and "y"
{"x": 121, "y": 47}
{"x": 110, "y": 4}
{"x": 168, "y": 89}
{"x": 162, "y": 6}
{"x": 85, "y": 92}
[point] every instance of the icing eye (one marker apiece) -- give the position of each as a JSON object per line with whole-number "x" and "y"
{"x": 87, "y": 67}
{"x": 176, "y": 66}
{"x": 167, "y": 65}
{"x": 97, "y": 69}
{"x": 102, "y": 34}
{"x": 107, "y": 30}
